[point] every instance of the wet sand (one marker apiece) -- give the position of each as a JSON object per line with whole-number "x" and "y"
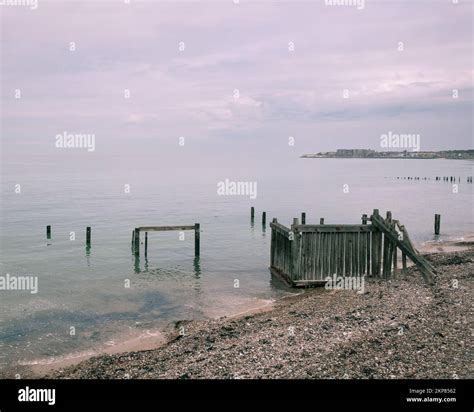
{"x": 441, "y": 245}
{"x": 145, "y": 341}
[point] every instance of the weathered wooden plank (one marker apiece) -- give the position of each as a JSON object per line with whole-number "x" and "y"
{"x": 393, "y": 256}
{"x": 280, "y": 228}
{"x": 317, "y": 259}
{"x": 335, "y": 228}
{"x": 304, "y": 283}
{"x": 272, "y": 244}
{"x": 361, "y": 252}
{"x": 333, "y": 264}
{"x": 281, "y": 275}
{"x": 295, "y": 251}
{"x": 385, "y": 256}
{"x": 164, "y": 228}
{"x": 347, "y": 255}
{"x": 354, "y": 254}
{"x": 341, "y": 254}
{"x": 332, "y": 236}
{"x": 407, "y": 248}
{"x": 369, "y": 256}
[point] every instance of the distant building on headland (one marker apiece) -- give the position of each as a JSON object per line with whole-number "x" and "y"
{"x": 355, "y": 152}
{"x": 405, "y": 154}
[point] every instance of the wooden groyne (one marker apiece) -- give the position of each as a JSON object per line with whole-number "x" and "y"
{"x": 446, "y": 179}
{"x": 305, "y": 255}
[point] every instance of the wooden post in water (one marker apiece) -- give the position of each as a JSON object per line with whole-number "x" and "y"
{"x": 146, "y": 244}
{"x": 252, "y": 213}
{"x": 272, "y": 244}
{"x": 437, "y": 224}
{"x": 303, "y": 218}
{"x": 197, "y": 239}
{"x": 88, "y": 236}
{"x": 137, "y": 242}
{"x": 321, "y": 221}
{"x": 48, "y": 232}
{"x": 264, "y": 218}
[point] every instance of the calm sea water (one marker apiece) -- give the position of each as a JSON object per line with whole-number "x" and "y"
{"x": 85, "y": 289}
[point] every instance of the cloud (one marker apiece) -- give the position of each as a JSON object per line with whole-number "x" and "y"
{"x": 230, "y": 47}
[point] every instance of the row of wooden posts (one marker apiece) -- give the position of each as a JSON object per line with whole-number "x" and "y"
{"x": 88, "y": 234}
{"x": 437, "y": 219}
{"x": 275, "y": 225}
{"x": 452, "y": 179}
{"x": 305, "y": 255}
{"x": 136, "y": 236}
{"x": 437, "y": 178}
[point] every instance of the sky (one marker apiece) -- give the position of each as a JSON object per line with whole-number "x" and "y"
{"x": 237, "y": 79}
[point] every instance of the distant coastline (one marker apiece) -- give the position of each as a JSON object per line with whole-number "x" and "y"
{"x": 405, "y": 154}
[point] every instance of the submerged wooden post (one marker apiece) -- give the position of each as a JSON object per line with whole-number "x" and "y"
{"x": 252, "y": 213}
{"x": 137, "y": 242}
{"x": 197, "y": 239}
{"x": 88, "y": 235}
{"x": 146, "y": 243}
{"x": 303, "y": 218}
{"x": 264, "y": 218}
{"x": 437, "y": 224}
{"x": 48, "y": 232}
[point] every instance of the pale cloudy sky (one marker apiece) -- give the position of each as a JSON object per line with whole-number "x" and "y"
{"x": 231, "y": 46}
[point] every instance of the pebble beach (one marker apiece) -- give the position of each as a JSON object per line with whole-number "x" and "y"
{"x": 396, "y": 329}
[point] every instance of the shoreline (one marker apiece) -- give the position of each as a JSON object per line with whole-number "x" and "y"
{"x": 145, "y": 341}
{"x": 162, "y": 340}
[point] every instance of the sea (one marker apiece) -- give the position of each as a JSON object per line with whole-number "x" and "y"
{"x": 92, "y": 298}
